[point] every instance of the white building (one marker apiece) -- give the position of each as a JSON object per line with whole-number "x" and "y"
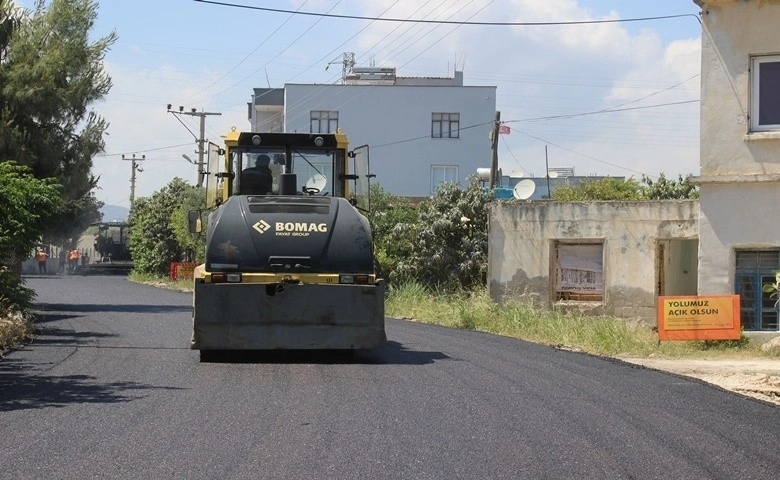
{"x": 739, "y": 219}
{"x": 420, "y": 131}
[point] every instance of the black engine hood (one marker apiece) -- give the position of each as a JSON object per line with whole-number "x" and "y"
{"x": 300, "y": 234}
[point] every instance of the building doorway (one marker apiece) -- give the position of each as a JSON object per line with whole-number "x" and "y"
{"x": 677, "y": 267}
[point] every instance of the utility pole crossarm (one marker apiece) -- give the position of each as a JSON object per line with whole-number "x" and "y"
{"x": 134, "y": 167}
{"x": 201, "y": 140}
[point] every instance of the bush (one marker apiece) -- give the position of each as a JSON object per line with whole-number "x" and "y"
{"x": 446, "y": 247}
{"x": 27, "y": 204}
{"x": 153, "y": 242}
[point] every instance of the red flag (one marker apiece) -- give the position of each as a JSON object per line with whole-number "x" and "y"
{"x": 504, "y": 129}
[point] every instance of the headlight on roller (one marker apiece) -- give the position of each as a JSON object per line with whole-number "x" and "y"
{"x": 225, "y": 278}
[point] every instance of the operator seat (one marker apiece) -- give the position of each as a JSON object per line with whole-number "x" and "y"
{"x": 255, "y": 182}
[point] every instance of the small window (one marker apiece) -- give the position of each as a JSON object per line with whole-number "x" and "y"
{"x": 579, "y": 271}
{"x": 765, "y": 93}
{"x": 323, "y": 121}
{"x": 755, "y": 268}
{"x": 443, "y": 173}
{"x": 445, "y": 125}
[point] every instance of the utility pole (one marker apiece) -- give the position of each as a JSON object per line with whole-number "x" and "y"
{"x": 200, "y": 139}
{"x": 547, "y": 169}
{"x": 135, "y": 167}
{"x": 494, "y": 180}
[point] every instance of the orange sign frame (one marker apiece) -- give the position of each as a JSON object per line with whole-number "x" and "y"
{"x": 694, "y": 317}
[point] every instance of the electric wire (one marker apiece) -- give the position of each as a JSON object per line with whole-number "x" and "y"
{"x": 277, "y": 55}
{"x": 144, "y": 150}
{"x": 605, "y": 110}
{"x": 399, "y": 26}
{"x": 509, "y": 149}
{"x": 442, "y": 37}
{"x": 414, "y": 35}
{"x": 453, "y": 22}
{"x": 246, "y": 57}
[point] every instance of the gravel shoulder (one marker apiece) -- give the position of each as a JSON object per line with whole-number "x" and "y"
{"x": 753, "y": 377}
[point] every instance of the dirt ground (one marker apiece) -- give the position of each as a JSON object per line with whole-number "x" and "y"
{"x": 754, "y": 377}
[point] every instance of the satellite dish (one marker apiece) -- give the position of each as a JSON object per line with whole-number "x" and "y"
{"x": 552, "y": 174}
{"x": 524, "y": 189}
{"x": 316, "y": 183}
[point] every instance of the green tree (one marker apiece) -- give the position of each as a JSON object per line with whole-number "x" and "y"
{"x": 50, "y": 73}
{"x": 607, "y": 188}
{"x": 447, "y": 246}
{"x": 27, "y": 204}
{"x": 153, "y": 243}
{"x": 10, "y": 17}
{"x": 193, "y": 244}
{"x": 614, "y": 189}
{"x": 665, "y": 189}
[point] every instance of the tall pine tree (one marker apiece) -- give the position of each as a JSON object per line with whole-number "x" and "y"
{"x": 50, "y": 74}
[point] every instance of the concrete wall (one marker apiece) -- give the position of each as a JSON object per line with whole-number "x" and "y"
{"x": 520, "y": 236}
{"x": 395, "y": 121}
{"x": 266, "y": 111}
{"x": 734, "y": 215}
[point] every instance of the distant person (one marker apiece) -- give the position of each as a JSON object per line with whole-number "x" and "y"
{"x": 73, "y": 260}
{"x": 257, "y": 180}
{"x": 63, "y": 261}
{"x": 42, "y": 256}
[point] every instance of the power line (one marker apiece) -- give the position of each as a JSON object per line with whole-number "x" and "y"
{"x": 539, "y": 118}
{"x": 145, "y": 150}
{"x": 444, "y": 36}
{"x": 606, "y": 110}
{"x": 583, "y": 155}
{"x": 451, "y": 22}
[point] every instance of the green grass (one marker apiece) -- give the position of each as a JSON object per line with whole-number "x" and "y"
{"x": 597, "y": 335}
{"x": 185, "y": 285}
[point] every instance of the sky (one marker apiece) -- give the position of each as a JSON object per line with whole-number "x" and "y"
{"x": 554, "y": 82}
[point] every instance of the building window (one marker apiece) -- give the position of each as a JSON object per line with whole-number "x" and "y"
{"x": 445, "y": 125}
{"x": 579, "y": 271}
{"x": 754, "y": 268}
{"x": 443, "y": 173}
{"x": 765, "y": 93}
{"x": 323, "y": 121}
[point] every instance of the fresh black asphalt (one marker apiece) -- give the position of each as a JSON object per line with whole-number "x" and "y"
{"x": 109, "y": 389}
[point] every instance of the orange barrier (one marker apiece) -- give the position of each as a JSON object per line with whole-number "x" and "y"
{"x": 182, "y": 270}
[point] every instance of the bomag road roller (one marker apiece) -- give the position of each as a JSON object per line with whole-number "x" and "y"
{"x": 289, "y": 254}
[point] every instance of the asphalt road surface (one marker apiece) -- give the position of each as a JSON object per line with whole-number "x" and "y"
{"x": 109, "y": 389}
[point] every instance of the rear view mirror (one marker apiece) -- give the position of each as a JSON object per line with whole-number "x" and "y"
{"x": 194, "y": 221}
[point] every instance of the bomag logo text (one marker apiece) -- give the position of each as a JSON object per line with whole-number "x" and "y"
{"x": 299, "y": 229}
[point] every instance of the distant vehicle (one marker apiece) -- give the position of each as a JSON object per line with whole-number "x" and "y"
{"x": 288, "y": 265}
{"x": 112, "y": 246}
